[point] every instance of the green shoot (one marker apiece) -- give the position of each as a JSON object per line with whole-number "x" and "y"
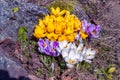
{"x": 15, "y": 9}
{"x": 106, "y": 72}
{"x": 22, "y": 34}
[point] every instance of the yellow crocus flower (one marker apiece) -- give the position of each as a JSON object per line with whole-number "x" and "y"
{"x": 83, "y": 35}
{"x": 41, "y": 24}
{"x": 39, "y": 32}
{"x": 57, "y": 11}
{"x": 58, "y": 27}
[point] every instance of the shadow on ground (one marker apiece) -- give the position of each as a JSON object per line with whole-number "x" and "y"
{"x": 4, "y": 75}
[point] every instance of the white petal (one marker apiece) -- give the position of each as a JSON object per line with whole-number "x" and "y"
{"x": 90, "y": 54}
{"x": 58, "y": 49}
{"x": 73, "y": 46}
{"x": 80, "y": 59}
{"x": 90, "y": 57}
{"x": 65, "y": 53}
{"x": 63, "y": 44}
{"x": 70, "y": 65}
{"x": 88, "y": 51}
{"x": 68, "y": 46}
{"x": 72, "y": 54}
{"x": 79, "y": 49}
{"x": 89, "y": 61}
{"x": 93, "y": 52}
{"x": 66, "y": 59}
{"x": 83, "y": 52}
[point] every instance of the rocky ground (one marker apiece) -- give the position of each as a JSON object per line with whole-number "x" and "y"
{"x": 22, "y": 61}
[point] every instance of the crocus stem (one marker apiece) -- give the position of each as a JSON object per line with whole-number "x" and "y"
{"x": 53, "y": 59}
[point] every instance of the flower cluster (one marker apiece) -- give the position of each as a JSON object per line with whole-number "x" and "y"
{"x": 59, "y": 32}
{"x": 73, "y": 54}
{"x": 59, "y": 26}
{"x": 48, "y": 47}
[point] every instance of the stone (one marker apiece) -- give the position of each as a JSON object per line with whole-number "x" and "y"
{"x": 78, "y": 11}
{"x": 8, "y": 64}
{"x": 10, "y": 22}
{"x": 27, "y": 15}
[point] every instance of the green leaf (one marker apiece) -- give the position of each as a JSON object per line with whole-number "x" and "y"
{"x": 109, "y": 76}
{"x": 21, "y": 31}
{"x": 24, "y": 37}
{"x": 15, "y": 9}
{"x": 53, "y": 59}
{"x": 25, "y": 29}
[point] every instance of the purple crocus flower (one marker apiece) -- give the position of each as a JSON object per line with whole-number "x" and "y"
{"x": 42, "y": 45}
{"x": 85, "y": 24}
{"x": 93, "y": 30}
{"x": 48, "y": 47}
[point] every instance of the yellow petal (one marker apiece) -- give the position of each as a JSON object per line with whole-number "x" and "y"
{"x": 57, "y": 10}
{"x": 68, "y": 31}
{"x": 53, "y": 11}
{"x": 50, "y": 27}
{"x": 62, "y": 12}
{"x": 52, "y": 36}
{"x": 62, "y": 38}
{"x": 71, "y": 37}
{"x": 83, "y": 35}
{"x": 39, "y": 33}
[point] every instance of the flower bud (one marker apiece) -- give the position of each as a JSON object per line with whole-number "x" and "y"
{"x": 111, "y": 70}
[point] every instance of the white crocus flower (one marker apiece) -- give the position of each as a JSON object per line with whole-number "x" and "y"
{"x": 70, "y": 55}
{"x": 72, "y": 58}
{"x": 66, "y": 50}
{"x": 88, "y": 54}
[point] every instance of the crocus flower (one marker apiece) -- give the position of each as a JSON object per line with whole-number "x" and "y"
{"x": 57, "y": 11}
{"x": 85, "y": 24}
{"x": 39, "y": 32}
{"x": 48, "y": 47}
{"x": 83, "y": 34}
{"x": 88, "y": 54}
{"x": 71, "y": 54}
{"x": 93, "y": 30}
{"x": 60, "y": 25}
{"x": 42, "y": 45}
